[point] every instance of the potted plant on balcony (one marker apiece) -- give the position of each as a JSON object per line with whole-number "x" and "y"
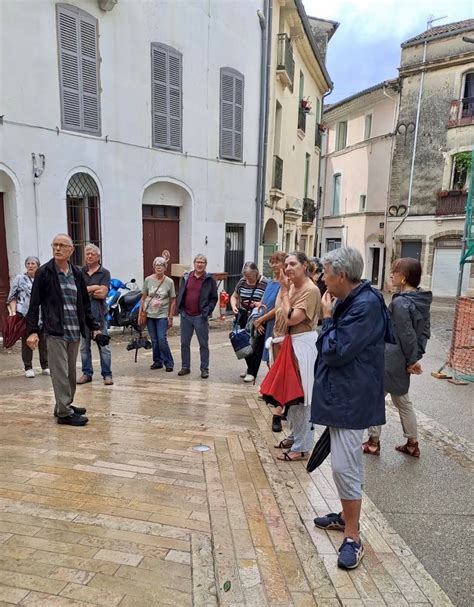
{"x": 305, "y": 105}
{"x": 442, "y": 194}
{"x": 322, "y": 128}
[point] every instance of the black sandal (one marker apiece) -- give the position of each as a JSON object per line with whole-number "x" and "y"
{"x": 286, "y": 443}
{"x": 285, "y": 457}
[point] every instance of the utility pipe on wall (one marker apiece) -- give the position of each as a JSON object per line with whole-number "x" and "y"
{"x": 265, "y": 61}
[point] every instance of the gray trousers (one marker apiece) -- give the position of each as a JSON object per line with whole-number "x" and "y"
{"x": 407, "y": 417}
{"x": 189, "y": 324}
{"x": 62, "y": 357}
{"x": 301, "y": 432}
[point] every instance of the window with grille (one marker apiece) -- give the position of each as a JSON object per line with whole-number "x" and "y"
{"x": 231, "y": 114}
{"x": 78, "y": 70}
{"x": 83, "y": 214}
{"x": 333, "y": 243}
{"x": 167, "y": 111}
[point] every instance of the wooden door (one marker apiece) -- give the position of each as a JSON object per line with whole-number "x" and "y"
{"x": 4, "y": 274}
{"x": 160, "y": 232}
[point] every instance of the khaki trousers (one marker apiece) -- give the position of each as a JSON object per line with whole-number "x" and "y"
{"x": 62, "y": 358}
{"x": 407, "y": 417}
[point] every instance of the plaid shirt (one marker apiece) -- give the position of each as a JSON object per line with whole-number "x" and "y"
{"x": 69, "y": 292}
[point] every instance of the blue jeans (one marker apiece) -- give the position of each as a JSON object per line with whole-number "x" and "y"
{"x": 158, "y": 328}
{"x": 189, "y": 324}
{"x": 104, "y": 353}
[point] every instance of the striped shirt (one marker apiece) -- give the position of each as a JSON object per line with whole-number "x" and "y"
{"x": 249, "y": 294}
{"x": 69, "y": 292}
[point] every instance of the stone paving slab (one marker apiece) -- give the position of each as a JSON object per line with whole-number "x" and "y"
{"x": 125, "y": 512}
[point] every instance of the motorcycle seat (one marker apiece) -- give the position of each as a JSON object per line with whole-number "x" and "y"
{"x": 129, "y": 299}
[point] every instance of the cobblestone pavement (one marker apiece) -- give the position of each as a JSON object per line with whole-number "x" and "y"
{"x": 125, "y": 511}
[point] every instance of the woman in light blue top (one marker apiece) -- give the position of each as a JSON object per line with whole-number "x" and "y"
{"x": 18, "y": 302}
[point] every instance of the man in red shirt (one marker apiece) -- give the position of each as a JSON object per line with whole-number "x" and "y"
{"x": 197, "y": 298}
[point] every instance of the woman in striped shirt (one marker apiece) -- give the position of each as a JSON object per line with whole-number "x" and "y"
{"x": 248, "y": 292}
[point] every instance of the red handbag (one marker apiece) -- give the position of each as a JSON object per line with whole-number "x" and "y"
{"x": 282, "y": 384}
{"x": 14, "y": 328}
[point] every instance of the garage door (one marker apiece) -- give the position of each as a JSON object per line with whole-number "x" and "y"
{"x": 446, "y": 271}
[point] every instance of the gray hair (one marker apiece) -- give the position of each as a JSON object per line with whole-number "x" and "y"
{"x": 200, "y": 256}
{"x": 92, "y": 247}
{"x": 32, "y": 258}
{"x": 347, "y": 260}
{"x": 64, "y": 235}
{"x": 160, "y": 261}
{"x": 250, "y": 266}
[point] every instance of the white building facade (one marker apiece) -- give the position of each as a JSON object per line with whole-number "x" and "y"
{"x": 356, "y": 174}
{"x": 134, "y": 127}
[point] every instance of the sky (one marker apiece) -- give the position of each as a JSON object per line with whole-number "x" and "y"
{"x": 365, "y": 49}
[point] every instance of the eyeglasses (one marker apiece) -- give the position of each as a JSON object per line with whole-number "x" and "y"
{"x": 60, "y": 245}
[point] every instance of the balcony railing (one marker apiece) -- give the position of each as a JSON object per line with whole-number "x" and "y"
{"x": 461, "y": 112}
{"x": 309, "y": 210}
{"x": 452, "y": 204}
{"x": 302, "y": 120}
{"x": 277, "y": 173}
{"x": 285, "y": 62}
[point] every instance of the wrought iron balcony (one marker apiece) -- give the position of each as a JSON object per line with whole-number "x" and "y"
{"x": 285, "y": 62}
{"x": 454, "y": 203}
{"x": 461, "y": 112}
{"x": 309, "y": 210}
{"x": 277, "y": 173}
{"x": 302, "y": 120}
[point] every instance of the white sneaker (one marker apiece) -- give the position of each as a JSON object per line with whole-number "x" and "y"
{"x": 244, "y": 374}
{"x": 249, "y": 378}
{"x": 45, "y": 372}
{"x": 29, "y": 373}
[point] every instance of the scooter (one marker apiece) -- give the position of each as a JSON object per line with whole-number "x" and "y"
{"x": 123, "y": 304}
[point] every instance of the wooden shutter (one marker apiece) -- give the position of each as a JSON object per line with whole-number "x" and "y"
{"x": 78, "y": 70}
{"x": 232, "y": 114}
{"x": 166, "y": 65}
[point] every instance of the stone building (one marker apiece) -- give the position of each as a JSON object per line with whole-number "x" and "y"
{"x": 355, "y": 174}
{"x": 428, "y": 187}
{"x": 298, "y": 81}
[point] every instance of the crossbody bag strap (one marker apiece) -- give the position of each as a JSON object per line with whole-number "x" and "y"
{"x": 154, "y": 294}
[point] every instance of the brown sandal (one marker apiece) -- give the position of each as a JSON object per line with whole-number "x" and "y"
{"x": 371, "y": 447}
{"x": 286, "y": 443}
{"x": 284, "y": 457}
{"x": 411, "y": 449}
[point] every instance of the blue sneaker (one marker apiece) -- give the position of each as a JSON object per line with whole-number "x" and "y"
{"x": 332, "y": 520}
{"x": 350, "y": 554}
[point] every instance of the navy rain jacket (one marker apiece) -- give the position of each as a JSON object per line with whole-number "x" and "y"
{"x": 348, "y": 387}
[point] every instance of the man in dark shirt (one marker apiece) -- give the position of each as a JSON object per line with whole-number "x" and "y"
{"x": 197, "y": 298}
{"x": 60, "y": 293}
{"x": 97, "y": 280}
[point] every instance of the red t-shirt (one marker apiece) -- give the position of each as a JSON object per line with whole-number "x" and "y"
{"x": 192, "y": 293}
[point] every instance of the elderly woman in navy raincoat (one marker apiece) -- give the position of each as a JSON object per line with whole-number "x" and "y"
{"x": 348, "y": 393}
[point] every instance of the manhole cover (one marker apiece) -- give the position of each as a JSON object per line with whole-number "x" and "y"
{"x": 201, "y": 448}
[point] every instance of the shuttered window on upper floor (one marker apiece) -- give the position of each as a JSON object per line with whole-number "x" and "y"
{"x": 79, "y": 86}
{"x": 231, "y": 114}
{"x": 167, "y": 112}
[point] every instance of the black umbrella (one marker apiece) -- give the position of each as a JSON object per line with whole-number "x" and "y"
{"x": 320, "y": 452}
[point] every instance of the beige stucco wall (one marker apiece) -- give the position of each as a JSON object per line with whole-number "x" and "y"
{"x": 293, "y": 147}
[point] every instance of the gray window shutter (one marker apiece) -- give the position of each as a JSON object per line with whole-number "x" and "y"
{"x": 166, "y": 97}
{"x": 78, "y": 70}
{"x": 232, "y": 114}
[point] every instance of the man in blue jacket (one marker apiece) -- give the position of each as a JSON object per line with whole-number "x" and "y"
{"x": 197, "y": 298}
{"x": 348, "y": 394}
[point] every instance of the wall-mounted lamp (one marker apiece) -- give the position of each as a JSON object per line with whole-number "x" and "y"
{"x": 206, "y": 240}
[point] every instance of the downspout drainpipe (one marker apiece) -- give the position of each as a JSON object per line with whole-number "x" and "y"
{"x": 415, "y": 142}
{"x": 321, "y": 183}
{"x": 265, "y": 60}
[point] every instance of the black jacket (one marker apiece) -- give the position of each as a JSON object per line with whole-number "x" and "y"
{"x": 207, "y": 297}
{"x": 47, "y": 294}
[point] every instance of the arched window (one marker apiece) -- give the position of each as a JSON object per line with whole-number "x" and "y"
{"x": 83, "y": 214}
